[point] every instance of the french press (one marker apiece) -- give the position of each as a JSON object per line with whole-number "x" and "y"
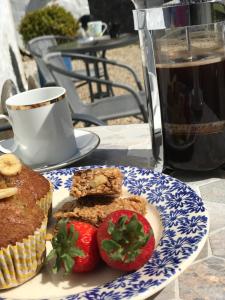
{"x": 183, "y": 54}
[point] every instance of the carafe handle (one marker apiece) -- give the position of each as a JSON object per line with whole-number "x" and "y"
{"x": 105, "y": 26}
{"x": 153, "y": 99}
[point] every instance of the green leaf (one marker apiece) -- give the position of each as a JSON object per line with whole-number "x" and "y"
{"x": 68, "y": 262}
{"x": 51, "y": 255}
{"x": 111, "y": 227}
{"x": 146, "y": 239}
{"x": 57, "y": 265}
{"x": 139, "y": 229}
{"x": 118, "y": 255}
{"x": 70, "y": 235}
{"x": 62, "y": 227}
{"x": 132, "y": 225}
{"x": 55, "y": 269}
{"x": 109, "y": 246}
{"x": 75, "y": 252}
{"x": 131, "y": 256}
{"x": 122, "y": 221}
{"x": 117, "y": 235}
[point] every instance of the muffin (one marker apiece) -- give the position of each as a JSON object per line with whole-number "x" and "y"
{"x": 22, "y": 241}
{"x": 33, "y": 188}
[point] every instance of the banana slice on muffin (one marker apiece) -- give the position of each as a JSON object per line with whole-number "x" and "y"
{"x": 10, "y": 165}
{"x": 8, "y": 192}
{"x": 33, "y": 188}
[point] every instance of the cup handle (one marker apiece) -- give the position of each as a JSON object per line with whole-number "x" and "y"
{"x": 105, "y": 26}
{"x": 13, "y": 147}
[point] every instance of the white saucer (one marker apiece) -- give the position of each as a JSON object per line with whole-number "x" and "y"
{"x": 85, "y": 40}
{"x": 86, "y": 143}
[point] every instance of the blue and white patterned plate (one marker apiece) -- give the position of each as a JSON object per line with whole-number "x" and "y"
{"x": 180, "y": 223}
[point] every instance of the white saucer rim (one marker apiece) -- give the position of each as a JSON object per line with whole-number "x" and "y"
{"x": 76, "y": 157}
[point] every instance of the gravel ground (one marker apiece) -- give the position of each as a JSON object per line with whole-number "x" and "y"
{"x": 129, "y": 55}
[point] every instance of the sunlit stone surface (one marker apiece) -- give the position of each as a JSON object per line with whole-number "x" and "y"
{"x": 204, "y": 280}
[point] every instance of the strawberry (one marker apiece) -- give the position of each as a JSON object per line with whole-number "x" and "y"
{"x": 74, "y": 247}
{"x": 125, "y": 240}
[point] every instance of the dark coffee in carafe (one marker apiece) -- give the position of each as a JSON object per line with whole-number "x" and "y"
{"x": 192, "y": 97}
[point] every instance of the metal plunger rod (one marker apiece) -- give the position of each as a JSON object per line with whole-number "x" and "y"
{"x": 187, "y": 32}
{"x": 188, "y": 39}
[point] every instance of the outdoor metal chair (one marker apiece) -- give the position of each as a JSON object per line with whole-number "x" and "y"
{"x": 38, "y": 47}
{"x": 131, "y": 104}
{"x": 9, "y": 89}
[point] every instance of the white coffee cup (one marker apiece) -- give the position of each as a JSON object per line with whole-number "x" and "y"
{"x": 42, "y": 126}
{"x": 96, "y": 28}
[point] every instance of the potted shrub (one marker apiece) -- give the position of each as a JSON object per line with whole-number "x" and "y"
{"x": 49, "y": 20}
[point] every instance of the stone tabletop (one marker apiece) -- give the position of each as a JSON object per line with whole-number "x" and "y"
{"x": 125, "y": 145}
{"x": 205, "y": 278}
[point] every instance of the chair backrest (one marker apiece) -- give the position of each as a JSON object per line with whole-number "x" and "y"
{"x": 8, "y": 89}
{"x": 38, "y": 47}
{"x": 76, "y": 105}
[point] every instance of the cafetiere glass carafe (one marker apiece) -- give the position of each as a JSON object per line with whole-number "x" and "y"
{"x": 183, "y": 57}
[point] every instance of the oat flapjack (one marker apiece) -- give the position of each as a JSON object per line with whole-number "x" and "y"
{"x": 94, "y": 210}
{"x": 99, "y": 181}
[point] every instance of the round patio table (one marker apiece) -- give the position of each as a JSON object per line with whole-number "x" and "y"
{"x": 88, "y": 45}
{"x": 97, "y": 47}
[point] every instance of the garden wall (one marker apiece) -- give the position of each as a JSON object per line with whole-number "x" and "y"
{"x": 10, "y": 61}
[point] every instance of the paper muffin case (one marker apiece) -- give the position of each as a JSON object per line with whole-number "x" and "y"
{"x": 22, "y": 261}
{"x": 45, "y": 203}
